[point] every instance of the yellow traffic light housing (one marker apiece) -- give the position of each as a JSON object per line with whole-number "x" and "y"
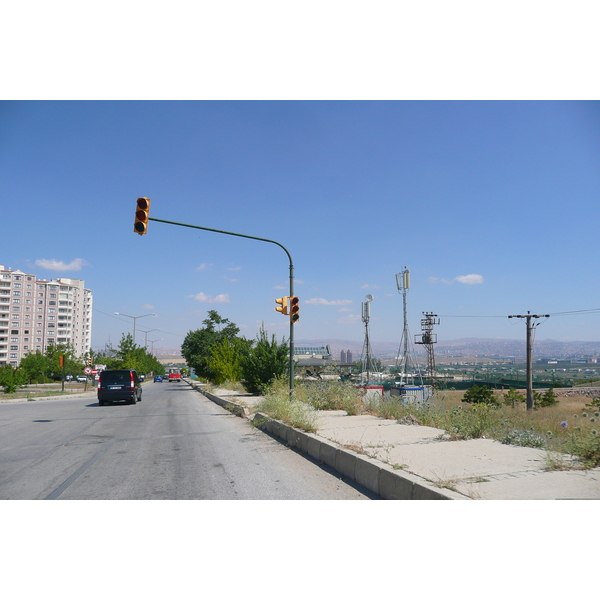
{"x": 294, "y": 309}
{"x": 142, "y": 212}
{"x": 283, "y": 305}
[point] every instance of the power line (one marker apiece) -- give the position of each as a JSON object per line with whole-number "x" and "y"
{"x": 556, "y": 314}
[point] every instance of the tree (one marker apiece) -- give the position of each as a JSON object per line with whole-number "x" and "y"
{"x": 264, "y": 362}
{"x": 512, "y": 397}
{"x": 224, "y": 361}
{"x": 479, "y": 395}
{"x": 132, "y": 356}
{"x": 548, "y": 398}
{"x": 197, "y": 345}
{"x": 12, "y": 378}
{"x": 71, "y": 363}
{"x": 35, "y": 366}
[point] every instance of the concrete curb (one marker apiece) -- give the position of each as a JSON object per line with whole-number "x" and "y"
{"x": 373, "y": 474}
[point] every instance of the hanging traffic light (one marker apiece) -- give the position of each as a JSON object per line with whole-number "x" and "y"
{"x": 294, "y": 309}
{"x": 142, "y": 212}
{"x": 283, "y": 305}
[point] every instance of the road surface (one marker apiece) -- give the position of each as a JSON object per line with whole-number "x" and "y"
{"x": 175, "y": 444}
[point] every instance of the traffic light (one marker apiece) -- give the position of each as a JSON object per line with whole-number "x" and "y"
{"x": 283, "y": 305}
{"x": 142, "y": 212}
{"x": 89, "y": 361}
{"x": 294, "y": 309}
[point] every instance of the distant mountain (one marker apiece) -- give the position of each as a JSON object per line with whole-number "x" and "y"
{"x": 478, "y": 347}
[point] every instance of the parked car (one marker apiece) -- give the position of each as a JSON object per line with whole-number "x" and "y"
{"x": 158, "y": 379}
{"x": 81, "y": 378}
{"x": 119, "y": 384}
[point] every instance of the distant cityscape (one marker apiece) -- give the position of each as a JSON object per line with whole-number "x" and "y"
{"x": 345, "y": 351}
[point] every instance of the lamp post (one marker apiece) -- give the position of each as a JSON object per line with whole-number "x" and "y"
{"x": 152, "y": 347}
{"x": 146, "y": 336}
{"x": 135, "y": 319}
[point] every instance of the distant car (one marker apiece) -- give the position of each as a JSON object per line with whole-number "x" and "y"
{"x": 119, "y": 384}
{"x": 158, "y": 379}
{"x": 81, "y": 378}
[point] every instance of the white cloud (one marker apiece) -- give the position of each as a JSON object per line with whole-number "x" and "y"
{"x": 203, "y": 267}
{"x": 367, "y": 286}
{"x": 470, "y": 279}
{"x": 202, "y": 297}
{"x": 322, "y": 301}
{"x": 57, "y": 265}
{"x": 233, "y": 268}
{"x": 147, "y": 307}
{"x": 349, "y": 319}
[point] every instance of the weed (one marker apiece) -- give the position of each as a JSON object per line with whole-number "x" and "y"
{"x": 278, "y": 405}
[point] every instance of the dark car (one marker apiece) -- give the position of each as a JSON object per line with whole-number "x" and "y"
{"x": 158, "y": 379}
{"x": 119, "y": 384}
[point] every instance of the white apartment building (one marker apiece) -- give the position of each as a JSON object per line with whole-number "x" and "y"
{"x": 35, "y": 313}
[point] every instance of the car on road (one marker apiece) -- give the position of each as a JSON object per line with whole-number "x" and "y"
{"x": 119, "y": 384}
{"x": 158, "y": 379}
{"x": 81, "y": 378}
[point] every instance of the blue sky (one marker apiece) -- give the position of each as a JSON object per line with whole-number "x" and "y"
{"x": 492, "y": 206}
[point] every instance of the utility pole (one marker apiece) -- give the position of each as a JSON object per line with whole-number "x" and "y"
{"x": 530, "y": 327}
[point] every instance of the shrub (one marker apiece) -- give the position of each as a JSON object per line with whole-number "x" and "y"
{"x": 586, "y": 447}
{"x": 331, "y": 395}
{"x": 523, "y": 437}
{"x": 480, "y": 395}
{"x": 512, "y": 397}
{"x": 474, "y": 422}
{"x": 278, "y": 405}
{"x": 548, "y": 398}
{"x": 263, "y": 363}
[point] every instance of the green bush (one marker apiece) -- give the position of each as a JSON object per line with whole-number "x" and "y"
{"x": 480, "y": 395}
{"x": 548, "y": 398}
{"x": 263, "y": 363}
{"x": 12, "y": 378}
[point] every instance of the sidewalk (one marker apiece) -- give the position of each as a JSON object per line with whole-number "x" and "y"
{"x": 414, "y": 462}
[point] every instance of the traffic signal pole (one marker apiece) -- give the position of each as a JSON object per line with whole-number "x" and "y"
{"x": 252, "y": 237}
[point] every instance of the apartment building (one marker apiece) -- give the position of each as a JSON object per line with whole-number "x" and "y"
{"x": 36, "y": 312}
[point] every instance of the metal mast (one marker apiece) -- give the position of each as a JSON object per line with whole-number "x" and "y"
{"x": 366, "y": 314}
{"x": 427, "y": 339}
{"x": 403, "y": 284}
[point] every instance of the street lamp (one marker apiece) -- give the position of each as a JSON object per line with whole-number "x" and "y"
{"x": 146, "y": 336}
{"x": 152, "y": 347}
{"x": 134, "y": 320}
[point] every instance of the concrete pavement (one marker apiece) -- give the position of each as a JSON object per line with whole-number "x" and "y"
{"x": 404, "y": 461}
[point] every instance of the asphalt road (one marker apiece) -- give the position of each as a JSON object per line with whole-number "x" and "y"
{"x": 175, "y": 444}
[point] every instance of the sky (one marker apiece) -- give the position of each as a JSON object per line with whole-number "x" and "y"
{"x": 459, "y": 140}
{"x": 460, "y": 143}
{"x": 491, "y": 205}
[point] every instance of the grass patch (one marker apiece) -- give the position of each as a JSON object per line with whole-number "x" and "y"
{"x": 278, "y": 405}
{"x": 570, "y": 427}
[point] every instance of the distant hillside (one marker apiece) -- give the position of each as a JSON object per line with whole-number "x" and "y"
{"x": 467, "y": 347}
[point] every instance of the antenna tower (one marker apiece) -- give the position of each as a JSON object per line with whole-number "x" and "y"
{"x": 368, "y": 366}
{"x": 405, "y": 361}
{"x": 428, "y": 339}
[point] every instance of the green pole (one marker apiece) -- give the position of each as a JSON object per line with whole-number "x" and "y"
{"x": 252, "y": 237}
